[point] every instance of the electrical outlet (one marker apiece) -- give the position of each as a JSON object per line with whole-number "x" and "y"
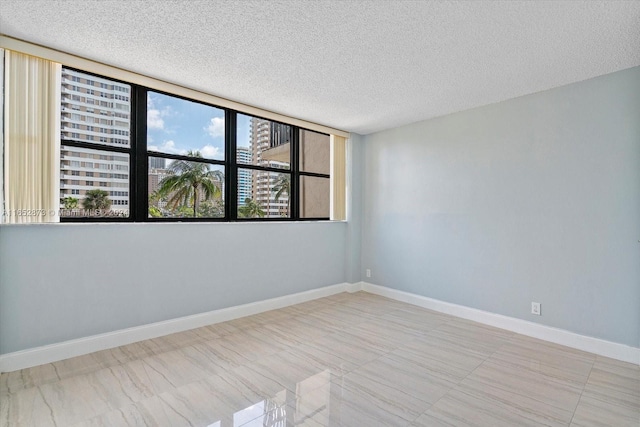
{"x": 535, "y": 308}
{"x": 368, "y": 272}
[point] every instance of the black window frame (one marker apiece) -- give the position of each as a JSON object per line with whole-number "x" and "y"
{"x": 293, "y": 207}
{"x": 109, "y": 148}
{"x": 302, "y": 173}
{"x": 142, "y": 173}
{"x": 139, "y": 163}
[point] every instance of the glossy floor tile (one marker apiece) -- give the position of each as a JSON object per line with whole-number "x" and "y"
{"x": 345, "y": 360}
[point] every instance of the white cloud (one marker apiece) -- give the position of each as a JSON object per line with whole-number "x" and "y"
{"x": 211, "y": 152}
{"x": 151, "y": 102}
{"x": 215, "y": 129}
{"x": 154, "y": 119}
{"x": 170, "y": 147}
{"x": 156, "y": 114}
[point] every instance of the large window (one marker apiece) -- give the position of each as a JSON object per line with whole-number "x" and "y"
{"x": 185, "y": 143}
{"x": 264, "y": 157}
{"x": 129, "y": 153}
{"x": 95, "y": 155}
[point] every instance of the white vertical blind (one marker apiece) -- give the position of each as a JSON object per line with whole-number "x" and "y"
{"x": 31, "y": 139}
{"x": 338, "y": 178}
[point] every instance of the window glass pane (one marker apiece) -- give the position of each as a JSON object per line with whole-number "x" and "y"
{"x": 314, "y": 197}
{"x": 93, "y": 183}
{"x": 262, "y": 142}
{"x": 183, "y": 189}
{"x": 268, "y": 194}
{"x": 177, "y": 126}
{"x": 95, "y": 109}
{"x": 314, "y": 152}
{"x": 245, "y": 186}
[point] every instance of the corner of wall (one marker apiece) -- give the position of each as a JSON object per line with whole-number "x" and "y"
{"x": 354, "y": 208}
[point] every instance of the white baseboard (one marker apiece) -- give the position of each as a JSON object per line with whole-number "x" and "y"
{"x": 77, "y": 347}
{"x": 597, "y": 346}
{"x": 354, "y": 287}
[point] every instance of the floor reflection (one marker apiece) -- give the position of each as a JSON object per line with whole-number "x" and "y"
{"x": 309, "y": 404}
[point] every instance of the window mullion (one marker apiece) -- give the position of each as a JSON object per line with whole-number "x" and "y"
{"x": 231, "y": 175}
{"x": 295, "y": 163}
{"x": 140, "y": 160}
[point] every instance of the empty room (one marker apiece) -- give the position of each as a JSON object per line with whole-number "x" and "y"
{"x": 320, "y": 213}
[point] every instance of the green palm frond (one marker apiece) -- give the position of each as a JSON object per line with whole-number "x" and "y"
{"x": 282, "y": 186}
{"x": 188, "y": 182}
{"x": 96, "y": 199}
{"x": 251, "y": 209}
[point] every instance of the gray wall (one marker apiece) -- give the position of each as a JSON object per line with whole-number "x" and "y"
{"x": 532, "y": 199}
{"x": 354, "y": 206}
{"x": 65, "y": 281}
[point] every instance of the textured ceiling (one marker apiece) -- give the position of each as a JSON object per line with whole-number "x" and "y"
{"x": 359, "y": 66}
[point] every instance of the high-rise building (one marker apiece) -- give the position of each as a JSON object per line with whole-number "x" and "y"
{"x": 94, "y": 110}
{"x": 156, "y": 173}
{"x": 155, "y": 176}
{"x": 157, "y": 163}
{"x": 244, "y": 175}
{"x": 280, "y": 134}
{"x": 276, "y": 139}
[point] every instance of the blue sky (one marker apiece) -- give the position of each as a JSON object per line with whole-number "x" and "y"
{"x": 176, "y": 126}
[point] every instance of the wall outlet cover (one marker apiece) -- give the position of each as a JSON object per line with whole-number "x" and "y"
{"x": 535, "y": 308}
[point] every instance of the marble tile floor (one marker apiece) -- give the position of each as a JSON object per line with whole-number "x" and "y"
{"x": 345, "y": 360}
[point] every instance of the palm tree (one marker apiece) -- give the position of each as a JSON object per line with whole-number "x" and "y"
{"x": 211, "y": 209}
{"x": 189, "y": 181}
{"x": 282, "y": 186}
{"x": 96, "y": 199}
{"x": 154, "y": 212}
{"x": 70, "y": 203}
{"x": 251, "y": 209}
